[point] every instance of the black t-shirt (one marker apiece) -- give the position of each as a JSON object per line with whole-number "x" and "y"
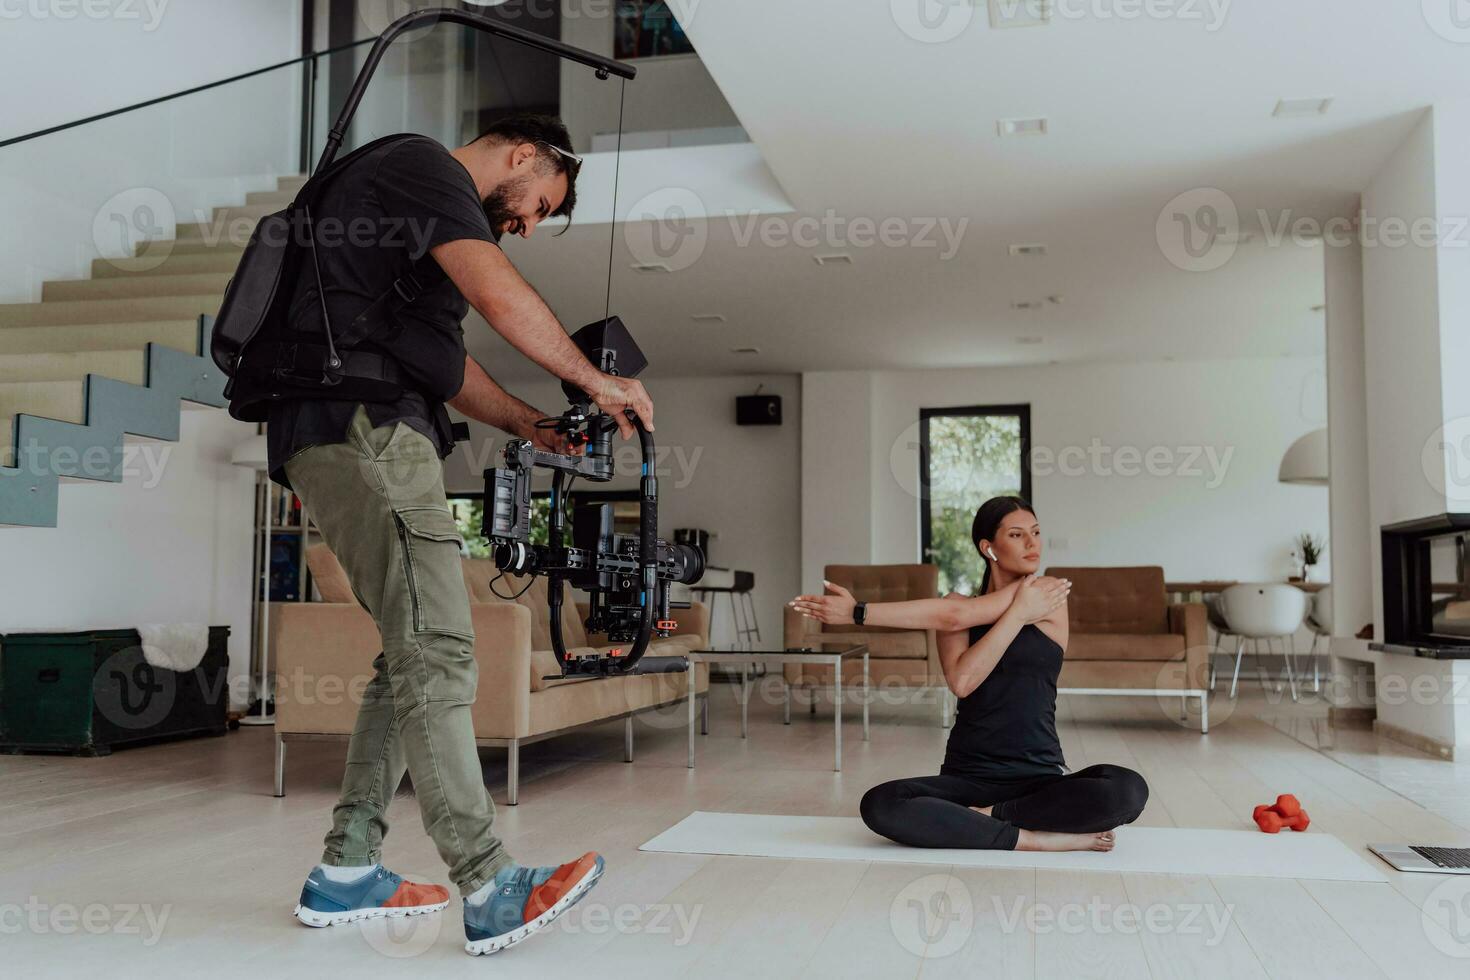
{"x": 373, "y": 220}
{"x": 1006, "y": 728}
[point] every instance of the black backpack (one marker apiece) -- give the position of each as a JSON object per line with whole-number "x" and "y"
{"x": 250, "y": 342}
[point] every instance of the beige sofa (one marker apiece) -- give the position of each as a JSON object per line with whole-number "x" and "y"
{"x": 896, "y": 657}
{"x": 1127, "y": 638}
{"x": 323, "y": 653}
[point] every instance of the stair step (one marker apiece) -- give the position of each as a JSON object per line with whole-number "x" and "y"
{"x": 291, "y": 184}
{"x": 178, "y": 334}
{"x": 195, "y": 246}
{"x": 278, "y": 198}
{"x": 235, "y": 232}
{"x": 64, "y": 400}
{"x": 121, "y": 310}
{"x": 182, "y": 284}
{"x": 249, "y": 212}
{"x": 181, "y": 264}
{"x": 124, "y": 365}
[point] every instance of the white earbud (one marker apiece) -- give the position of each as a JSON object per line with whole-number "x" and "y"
{"x": 992, "y": 554}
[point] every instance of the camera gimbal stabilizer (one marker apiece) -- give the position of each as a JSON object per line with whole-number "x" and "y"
{"x": 627, "y": 576}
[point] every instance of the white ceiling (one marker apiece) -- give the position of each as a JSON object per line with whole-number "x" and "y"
{"x": 855, "y": 117}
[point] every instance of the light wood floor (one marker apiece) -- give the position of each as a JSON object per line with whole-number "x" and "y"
{"x": 190, "y": 833}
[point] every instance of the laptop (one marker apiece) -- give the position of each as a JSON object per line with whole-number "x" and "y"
{"x": 1424, "y": 857}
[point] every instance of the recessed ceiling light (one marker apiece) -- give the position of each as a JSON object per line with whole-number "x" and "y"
{"x": 1027, "y": 304}
{"x": 833, "y": 258}
{"x": 745, "y": 350}
{"x": 1056, "y": 299}
{"x": 1020, "y": 13}
{"x": 651, "y": 267}
{"x": 1029, "y": 250}
{"x": 1028, "y": 340}
{"x": 1022, "y": 127}
{"x": 1302, "y": 107}
{"x": 708, "y": 318}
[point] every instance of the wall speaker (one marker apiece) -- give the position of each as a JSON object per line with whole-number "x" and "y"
{"x": 758, "y": 410}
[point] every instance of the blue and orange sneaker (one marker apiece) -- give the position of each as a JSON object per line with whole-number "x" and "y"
{"x": 376, "y": 895}
{"x": 525, "y": 901}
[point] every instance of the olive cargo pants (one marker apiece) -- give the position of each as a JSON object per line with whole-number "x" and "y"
{"x": 379, "y": 500}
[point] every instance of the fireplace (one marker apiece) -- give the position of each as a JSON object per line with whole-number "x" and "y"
{"x": 1426, "y": 594}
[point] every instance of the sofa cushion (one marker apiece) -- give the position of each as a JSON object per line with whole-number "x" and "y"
{"x": 1124, "y": 646}
{"x": 573, "y": 703}
{"x": 883, "y": 583}
{"x": 1116, "y": 600}
{"x": 477, "y": 575}
{"x": 329, "y": 575}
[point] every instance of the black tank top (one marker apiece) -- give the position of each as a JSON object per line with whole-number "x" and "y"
{"x": 1006, "y": 728}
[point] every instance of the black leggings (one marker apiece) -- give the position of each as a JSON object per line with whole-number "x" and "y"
{"x": 934, "y": 811}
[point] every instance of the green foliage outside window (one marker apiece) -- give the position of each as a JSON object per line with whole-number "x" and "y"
{"x": 971, "y": 459}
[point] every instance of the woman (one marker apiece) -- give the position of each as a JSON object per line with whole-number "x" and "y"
{"x": 1003, "y": 784}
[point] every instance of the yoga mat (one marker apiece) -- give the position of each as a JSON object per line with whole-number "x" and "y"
{"x": 1139, "y": 850}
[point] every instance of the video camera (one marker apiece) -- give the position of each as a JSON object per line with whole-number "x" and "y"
{"x": 626, "y": 575}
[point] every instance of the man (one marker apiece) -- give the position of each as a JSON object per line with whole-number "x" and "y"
{"x": 372, "y": 479}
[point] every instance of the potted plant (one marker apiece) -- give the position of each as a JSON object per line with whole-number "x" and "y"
{"x": 1307, "y": 553}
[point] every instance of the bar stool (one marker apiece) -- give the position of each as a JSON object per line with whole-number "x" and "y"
{"x": 1263, "y": 611}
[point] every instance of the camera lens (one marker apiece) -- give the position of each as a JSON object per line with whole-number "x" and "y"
{"x": 688, "y": 563}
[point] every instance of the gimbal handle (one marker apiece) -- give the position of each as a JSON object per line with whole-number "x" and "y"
{"x": 647, "y": 551}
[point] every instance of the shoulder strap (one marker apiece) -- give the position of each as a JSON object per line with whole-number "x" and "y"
{"x": 422, "y": 276}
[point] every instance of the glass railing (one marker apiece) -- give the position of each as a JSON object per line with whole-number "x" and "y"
{"x": 135, "y": 187}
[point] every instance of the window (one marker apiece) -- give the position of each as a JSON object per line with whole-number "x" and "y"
{"x": 648, "y": 29}
{"x": 967, "y": 456}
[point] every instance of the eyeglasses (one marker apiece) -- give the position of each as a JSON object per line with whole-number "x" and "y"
{"x": 564, "y": 154}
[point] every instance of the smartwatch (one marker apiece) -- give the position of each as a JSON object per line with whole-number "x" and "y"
{"x": 859, "y": 613}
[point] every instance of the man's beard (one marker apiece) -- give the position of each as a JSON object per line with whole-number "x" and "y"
{"x": 498, "y": 210}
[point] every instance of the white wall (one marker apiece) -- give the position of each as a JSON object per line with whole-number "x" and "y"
{"x": 94, "y": 190}
{"x": 170, "y": 544}
{"x": 1347, "y": 434}
{"x": 740, "y": 482}
{"x": 1228, "y": 519}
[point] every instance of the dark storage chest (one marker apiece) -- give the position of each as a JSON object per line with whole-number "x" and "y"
{"x": 88, "y": 693}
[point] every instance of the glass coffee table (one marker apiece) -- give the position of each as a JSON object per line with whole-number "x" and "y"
{"x": 824, "y": 654}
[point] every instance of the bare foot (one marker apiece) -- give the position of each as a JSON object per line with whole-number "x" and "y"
{"x": 1041, "y": 840}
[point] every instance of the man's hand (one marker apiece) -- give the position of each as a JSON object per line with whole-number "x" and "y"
{"x": 551, "y": 441}
{"x": 613, "y": 394}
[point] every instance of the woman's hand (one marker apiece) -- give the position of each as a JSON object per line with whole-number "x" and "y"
{"x": 1037, "y": 598}
{"x": 835, "y": 610}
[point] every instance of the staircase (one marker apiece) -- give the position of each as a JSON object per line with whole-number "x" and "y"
{"x": 113, "y": 355}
